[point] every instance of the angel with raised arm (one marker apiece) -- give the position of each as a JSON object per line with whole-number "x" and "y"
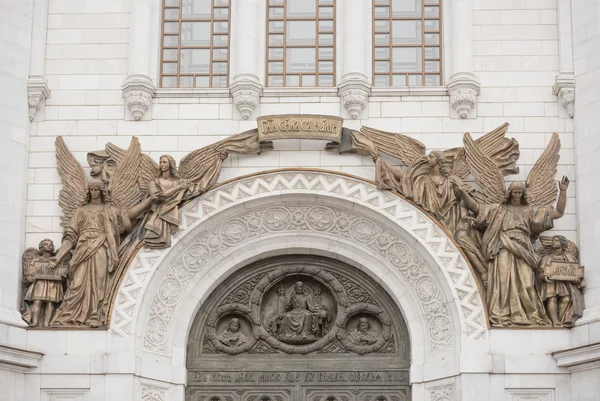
{"x": 512, "y": 220}
{"x": 427, "y": 179}
{"x": 92, "y": 228}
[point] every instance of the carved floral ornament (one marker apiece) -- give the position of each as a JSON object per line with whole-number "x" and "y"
{"x": 141, "y": 198}
{"x": 250, "y": 225}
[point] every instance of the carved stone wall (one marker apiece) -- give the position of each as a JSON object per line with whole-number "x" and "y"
{"x": 195, "y": 258}
{"x": 298, "y": 327}
{"x": 260, "y": 222}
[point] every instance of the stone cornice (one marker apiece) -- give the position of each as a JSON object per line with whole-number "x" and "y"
{"x": 18, "y": 360}
{"x": 579, "y": 358}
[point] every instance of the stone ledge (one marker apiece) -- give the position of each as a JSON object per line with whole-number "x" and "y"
{"x": 18, "y": 360}
{"x": 579, "y": 358}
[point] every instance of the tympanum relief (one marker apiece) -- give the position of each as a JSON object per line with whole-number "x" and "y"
{"x": 258, "y": 330}
{"x": 133, "y": 201}
{"x": 297, "y": 309}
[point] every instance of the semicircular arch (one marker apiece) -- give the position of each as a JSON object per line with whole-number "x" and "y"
{"x": 307, "y": 212}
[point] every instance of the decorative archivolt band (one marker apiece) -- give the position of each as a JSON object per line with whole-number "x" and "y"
{"x": 197, "y": 257}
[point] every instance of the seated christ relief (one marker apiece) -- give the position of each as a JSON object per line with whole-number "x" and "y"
{"x": 303, "y": 318}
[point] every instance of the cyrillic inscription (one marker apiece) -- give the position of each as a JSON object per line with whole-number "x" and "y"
{"x": 301, "y": 377}
{"x": 299, "y": 126}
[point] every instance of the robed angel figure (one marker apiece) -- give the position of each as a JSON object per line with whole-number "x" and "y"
{"x": 427, "y": 178}
{"x": 511, "y": 221}
{"x": 93, "y": 225}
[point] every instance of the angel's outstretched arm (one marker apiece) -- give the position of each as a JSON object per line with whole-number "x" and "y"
{"x": 139, "y": 208}
{"x": 467, "y": 199}
{"x": 562, "y": 199}
{"x": 65, "y": 247}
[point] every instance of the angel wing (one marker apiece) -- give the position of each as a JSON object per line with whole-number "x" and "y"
{"x": 28, "y": 256}
{"x": 74, "y": 191}
{"x": 123, "y": 187}
{"x": 403, "y": 147}
{"x": 194, "y": 165}
{"x": 542, "y": 190}
{"x": 503, "y": 151}
{"x": 148, "y": 168}
{"x": 486, "y": 173}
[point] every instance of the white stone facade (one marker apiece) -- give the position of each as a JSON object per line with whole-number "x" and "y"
{"x": 88, "y": 70}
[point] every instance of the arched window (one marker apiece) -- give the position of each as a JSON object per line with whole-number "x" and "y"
{"x": 407, "y": 43}
{"x": 195, "y": 44}
{"x": 301, "y": 43}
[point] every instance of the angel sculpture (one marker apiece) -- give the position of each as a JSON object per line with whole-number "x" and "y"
{"x": 427, "y": 179}
{"x": 512, "y": 220}
{"x": 43, "y": 283}
{"x": 198, "y": 172}
{"x": 563, "y": 299}
{"x": 92, "y": 224}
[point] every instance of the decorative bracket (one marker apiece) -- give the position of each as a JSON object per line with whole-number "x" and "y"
{"x": 246, "y": 92}
{"x": 463, "y": 89}
{"x": 564, "y": 88}
{"x": 138, "y": 91}
{"x": 37, "y": 93}
{"x": 354, "y": 91}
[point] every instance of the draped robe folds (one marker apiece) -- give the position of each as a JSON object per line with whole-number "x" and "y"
{"x": 298, "y": 320}
{"x": 507, "y": 247}
{"x": 164, "y": 219}
{"x": 231, "y": 338}
{"x": 363, "y": 337}
{"x": 95, "y": 235}
{"x": 435, "y": 194}
{"x": 562, "y": 289}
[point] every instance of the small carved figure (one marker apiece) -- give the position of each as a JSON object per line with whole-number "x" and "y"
{"x": 512, "y": 219}
{"x": 44, "y": 284}
{"x": 232, "y": 335}
{"x": 362, "y": 335}
{"x": 300, "y": 320}
{"x": 564, "y": 299}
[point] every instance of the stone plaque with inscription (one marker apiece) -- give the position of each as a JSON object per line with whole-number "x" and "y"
{"x": 299, "y": 126}
{"x": 298, "y": 328}
{"x": 564, "y": 271}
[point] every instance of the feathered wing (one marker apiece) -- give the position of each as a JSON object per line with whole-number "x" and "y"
{"x": 148, "y": 168}
{"x": 148, "y": 171}
{"x": 28, "y": 256}
{"x": 486, "y": 173}
{"x": 124, "y": 188}
{"x": 74, "y": 191}
{"x": 195, "y": 164}
{"x": 403, "y": 147}
{"x": 542, "y": 190}
{"x": 503, "y": 151}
